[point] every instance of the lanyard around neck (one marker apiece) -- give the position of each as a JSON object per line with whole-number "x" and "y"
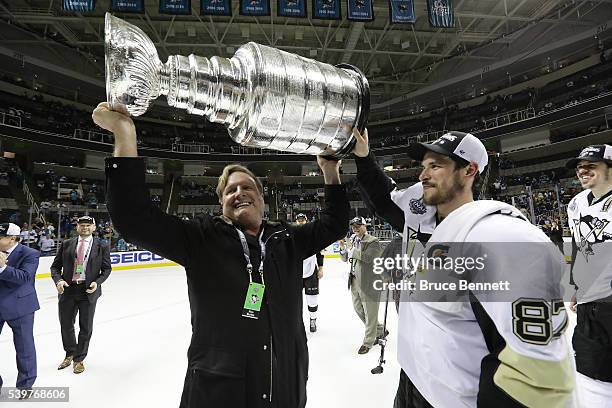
{"x": 247, "y": 254}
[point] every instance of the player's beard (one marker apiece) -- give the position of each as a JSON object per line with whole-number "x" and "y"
{"x": 441, "y": 194}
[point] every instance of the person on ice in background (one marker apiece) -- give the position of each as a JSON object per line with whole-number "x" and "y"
{"x": 362, "y": 249}
{"x": 312, "y": 272}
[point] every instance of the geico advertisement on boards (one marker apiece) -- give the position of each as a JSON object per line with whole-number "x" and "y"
{"x": 119, "y": 261}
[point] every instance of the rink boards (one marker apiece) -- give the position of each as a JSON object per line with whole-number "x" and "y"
{"x": 144, "y": 259}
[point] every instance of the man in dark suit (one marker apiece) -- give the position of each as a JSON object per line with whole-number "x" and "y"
{"x": 18, "y": 301}
{"x": 80, "y": 267}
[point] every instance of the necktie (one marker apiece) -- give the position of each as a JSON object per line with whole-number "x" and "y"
{"x": 80, "y": 252}
{"x": 77, "y": 274}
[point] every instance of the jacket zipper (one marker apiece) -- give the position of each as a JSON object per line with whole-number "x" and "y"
{"x": 271, "y": 346}
{"x": 273, "y": 234}
{"x": 271, "y": 351}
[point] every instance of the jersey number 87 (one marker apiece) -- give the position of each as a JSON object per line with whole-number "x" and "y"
{"x": 533, "y": 320}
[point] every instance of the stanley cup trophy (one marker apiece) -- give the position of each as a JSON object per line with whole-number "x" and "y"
{"x": 267, "y": 98}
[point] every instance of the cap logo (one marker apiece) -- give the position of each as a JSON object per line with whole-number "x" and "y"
{"x": 442, "y": 139}
{"x": 589, "y": 151}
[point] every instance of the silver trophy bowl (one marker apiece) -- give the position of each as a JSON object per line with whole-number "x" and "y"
{"x": 267, "y": 98}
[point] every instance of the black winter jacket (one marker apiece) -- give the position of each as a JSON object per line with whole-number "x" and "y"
{"x": 233, "y": 361}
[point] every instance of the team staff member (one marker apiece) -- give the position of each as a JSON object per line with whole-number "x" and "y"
{"x": 244, "y": 276}
{"x": 18, "y": 302}
{"x": 477, "y": 353}
{"x": 364, "y": 248}
{"x": 590, "y": 220}
{"x": 80, "y": 267}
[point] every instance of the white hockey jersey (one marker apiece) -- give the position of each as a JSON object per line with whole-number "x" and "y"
{"x": 462, "y": 354}
{"x": 590, "y": 221}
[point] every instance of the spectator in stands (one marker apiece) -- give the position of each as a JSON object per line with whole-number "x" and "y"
{"x": 74, "y": 197}
{"x": 49, "y": 229}
{"x": 28, "y": 235}
{"x": 556, "y": 234}
{"x": 15, "y": 218}
{"x": 122, "y": 245}
{"x": 92, "y": 200}
{"x": 46, "y": 244}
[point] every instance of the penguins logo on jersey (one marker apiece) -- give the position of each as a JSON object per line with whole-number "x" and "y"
{"x": 589, "y": 230}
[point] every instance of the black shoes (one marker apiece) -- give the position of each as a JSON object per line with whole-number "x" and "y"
{"x": 313, "y": 325}
{"x": 363, "y": 349}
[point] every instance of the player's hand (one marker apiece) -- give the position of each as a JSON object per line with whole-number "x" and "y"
{"x": 119, "y": 123}
{"x": 362, "y": 145}
{"x": 60, "y": 286}
{"x": 92, "y": 288}
{"x": 573, "y": 303}
{"x": 3, "y": 258}
{"x": 320, "y": 273}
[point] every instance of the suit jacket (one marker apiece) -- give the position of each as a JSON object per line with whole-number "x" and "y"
{"x": 17, "y": 292}
{"x": 98, "y": 264}
{"x": 363, "y": 261}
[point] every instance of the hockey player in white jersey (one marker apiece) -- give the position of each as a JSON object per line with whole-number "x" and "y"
{"x": 589, "y": 215}
{"x": 311, "y": 273}
{"x": 472, "y": 353}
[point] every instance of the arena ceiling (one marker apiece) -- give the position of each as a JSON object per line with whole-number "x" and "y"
{"x": 493, "y": 41}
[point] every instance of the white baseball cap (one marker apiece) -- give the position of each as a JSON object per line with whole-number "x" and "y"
{"x": 9, "y": 229}
{"x": 358, "y": 221}
{"x": 464, "y": 146}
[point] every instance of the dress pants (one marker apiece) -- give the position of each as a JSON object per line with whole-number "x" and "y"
{"x": 23, "y": 338}
{"x": 367, "y": 309}
{"x": 592, "y": 340}
{"x": 74, "y": 300}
